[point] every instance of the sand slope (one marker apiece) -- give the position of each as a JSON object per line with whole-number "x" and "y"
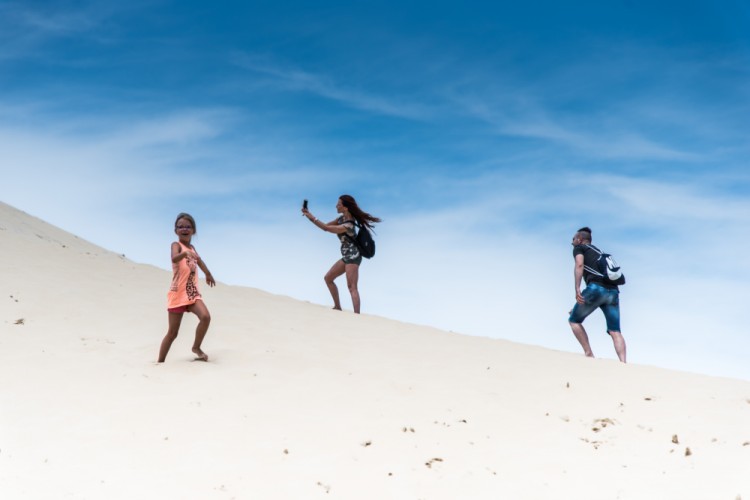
{"x": 300, "y": 402}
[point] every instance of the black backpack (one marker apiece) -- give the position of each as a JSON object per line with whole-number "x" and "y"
{"x": 363, "y": 241}
{"x": 606, "y": 268}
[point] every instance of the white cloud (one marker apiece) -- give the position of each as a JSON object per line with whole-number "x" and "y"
{"x": 26, "y": 29}
{"x": 668, "y": 202}
{"x": 298, "y": 80}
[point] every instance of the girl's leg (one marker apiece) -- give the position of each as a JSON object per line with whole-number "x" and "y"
{"x": 204, "y": 319}
{"x": 352, "y": 278}
{"x": 174, "y": 327}
{"x": 336, "y": 270}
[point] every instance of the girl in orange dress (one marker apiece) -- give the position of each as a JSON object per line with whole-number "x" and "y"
{"x": 184, "y": 295}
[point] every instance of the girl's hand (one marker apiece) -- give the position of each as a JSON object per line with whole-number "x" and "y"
{"x": 210, "y": 280}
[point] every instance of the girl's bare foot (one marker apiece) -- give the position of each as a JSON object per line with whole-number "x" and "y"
{"x": 202, "y": 356}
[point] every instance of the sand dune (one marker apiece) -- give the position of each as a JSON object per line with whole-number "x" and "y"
{"x": 301, "y": 402}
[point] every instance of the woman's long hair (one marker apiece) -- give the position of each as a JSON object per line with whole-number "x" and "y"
{"x": 360, "y": 215}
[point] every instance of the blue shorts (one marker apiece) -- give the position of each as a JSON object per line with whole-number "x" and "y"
{"x": 606, "y": 299}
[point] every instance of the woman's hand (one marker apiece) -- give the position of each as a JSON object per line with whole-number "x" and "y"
{"x": 210, "y": 279}
{"x": 307, "y": 214}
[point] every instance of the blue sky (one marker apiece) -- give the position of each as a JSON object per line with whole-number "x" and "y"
{"x": 484, "y": 134}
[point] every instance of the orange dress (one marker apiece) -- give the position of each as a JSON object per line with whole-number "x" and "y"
{"x": 184, "y": 288}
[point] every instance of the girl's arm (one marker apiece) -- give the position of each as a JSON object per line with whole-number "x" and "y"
{"x": 177, "y": 255}
{"x": 209, "y": 277}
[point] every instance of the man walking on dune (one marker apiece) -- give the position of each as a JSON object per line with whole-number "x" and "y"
{"x": 600, "y": 292}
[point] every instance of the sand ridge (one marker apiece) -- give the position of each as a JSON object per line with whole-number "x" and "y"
{"x": 300, "y": 402}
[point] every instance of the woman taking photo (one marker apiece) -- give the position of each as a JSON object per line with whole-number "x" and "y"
{"x": 346, "y": 227}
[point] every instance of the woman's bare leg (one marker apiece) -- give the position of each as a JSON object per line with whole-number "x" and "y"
{"x": 336, "y": 270}
{"x": 352, "y": 278}
{"x": 174, "y": 328}
{"x": 204, "y": 319}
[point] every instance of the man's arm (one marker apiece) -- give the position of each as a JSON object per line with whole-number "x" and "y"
{"x": 578, "y": 276}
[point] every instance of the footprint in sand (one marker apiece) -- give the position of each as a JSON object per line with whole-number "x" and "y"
{"x": 601, "y": 423}
{"x": 595, "y": 444}
{"x": 432, "y": 461}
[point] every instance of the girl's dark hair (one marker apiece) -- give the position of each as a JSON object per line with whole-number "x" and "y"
{"x": 189, "y": 217}
{"x": 362, "y": 217}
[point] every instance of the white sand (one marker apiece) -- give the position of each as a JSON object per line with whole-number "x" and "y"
{"x": 301, "y": 402}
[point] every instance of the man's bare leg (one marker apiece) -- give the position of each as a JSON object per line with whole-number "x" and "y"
{"x": 620, "y": 347}
{"x": 580, "y": 332}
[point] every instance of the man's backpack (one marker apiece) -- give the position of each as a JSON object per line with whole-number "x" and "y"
{"x": 606, "y": 268}
{"x": 363, "y": 241}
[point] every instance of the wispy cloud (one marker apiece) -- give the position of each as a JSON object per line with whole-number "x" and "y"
{"x": 520, "y": 114}
{"x": 298, "y": 80}
{"x": 669, "y": 202}
{"x": 632, "y": 101}
{"x": 51, "y": 23}
{"x": 25, "y": 29}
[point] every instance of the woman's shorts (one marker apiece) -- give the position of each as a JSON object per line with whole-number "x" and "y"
{"x": 357, "y": 260}
{"x": 178, "y": 310}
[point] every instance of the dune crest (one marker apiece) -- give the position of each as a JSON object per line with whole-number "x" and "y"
{"x": 301, "y": 402}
